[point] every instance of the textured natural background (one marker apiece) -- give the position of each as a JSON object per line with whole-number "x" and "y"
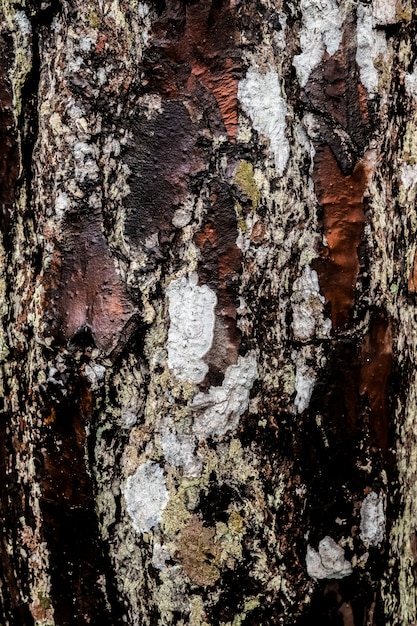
{"x": 208, "y": 332}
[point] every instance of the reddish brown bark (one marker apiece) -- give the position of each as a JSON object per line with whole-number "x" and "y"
{"x": 341, "y": 199}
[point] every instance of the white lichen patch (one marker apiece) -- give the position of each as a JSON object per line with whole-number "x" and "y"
{"x": 184, "y": 214}
{"x": 261, "y": 99}
{"x": 328, "y": 562}
{"x": 128, "y": 417}
{"x": 182, "y": 217}
{"x": 179, "y": 451}
{"x": 146, "y": 496}
{"x": 279, "y": 34}
{"x": 370, "y": 44}
{"x": 144, "y": 14}
{"x": 219, "y": 410}
{"x": 85, "y": 163}
{"x": 304, "y": 140}
{"x": 307, "y": 305}
{"x": 86, "y": 43}
{"x": 384, "y": 12}
{"x": 160, "y": 556}
{"x": 61, "y": 205}
{"x": 151, "y": 105}
{"x": 23, "y": 23}
{"x": 94, "y": 372}
{"x": 410, "y": 81}
{"x": 372, "y": 524}
{"x": 321, "y": 31}
{"x": 190, "y": 334}
{"x": 305, "y": 379}
{"x": 408, "y": 175}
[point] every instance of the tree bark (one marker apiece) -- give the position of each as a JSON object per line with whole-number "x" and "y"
{"x": 208, "y": 312}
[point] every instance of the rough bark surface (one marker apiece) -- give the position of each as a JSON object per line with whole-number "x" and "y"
{"x": 208, "y": 312}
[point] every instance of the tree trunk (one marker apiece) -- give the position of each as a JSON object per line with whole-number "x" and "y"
{"x": 208, "y": 312}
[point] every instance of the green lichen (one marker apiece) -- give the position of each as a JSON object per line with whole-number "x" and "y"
{"x": 236, "y": 523}
{"x": 244, "y": 178}
{"x": 44, "y": 601}
{"x": 176, "y": 513}
{"x": 94, "y": 20}
{"x": 241, "y": 222}
{"x": 250, "y": 604}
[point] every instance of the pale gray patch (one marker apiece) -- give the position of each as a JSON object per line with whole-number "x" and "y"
{"x": 179, "y": 452}
{"x": 190, "y": 334}
{"x": 321, "y": 31}
{"x": 261, "y": 99}
{"x": 370, "y": 43}
{"x": 146, "y": 496}
{"x": 328, "y": 562}
{"x": 372, "y": 524}
{"x": 219, "y": 410}
{"x": 307, "y": 305}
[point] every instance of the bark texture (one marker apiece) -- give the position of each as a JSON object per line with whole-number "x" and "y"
{"x": 208, "y": 315}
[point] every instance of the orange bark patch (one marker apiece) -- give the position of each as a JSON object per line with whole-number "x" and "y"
{"x": 229, "y": 262}
{"x": 88, "y": 294}
{"x": 376, "y": 364}
{"x": 258, "y": 232}
{"x": 51, "y": 416}
{"x": 101, "y": 44}
{"x": 202, "y": 56}
{"x": 209, "y": 33}
{"x": 224, "y": 88}
{"x": 207, "y": 235}
{"x": 341, "y": 198}
{"x": 221, "y": 257}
